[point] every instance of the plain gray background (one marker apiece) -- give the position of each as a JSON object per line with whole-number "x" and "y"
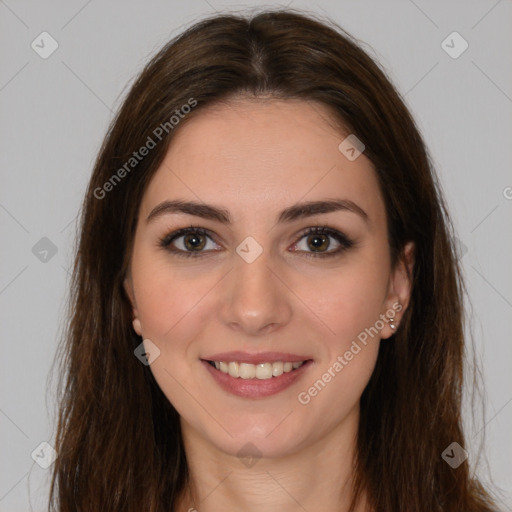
{"x": 54, "y": 113}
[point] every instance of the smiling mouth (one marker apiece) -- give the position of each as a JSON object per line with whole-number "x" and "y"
{"x": 262, "y": 371}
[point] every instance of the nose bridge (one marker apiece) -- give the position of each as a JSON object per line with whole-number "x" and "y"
{"x": 255, "y": 298}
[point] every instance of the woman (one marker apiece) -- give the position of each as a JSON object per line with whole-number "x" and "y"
{"x": 267, "y": 309}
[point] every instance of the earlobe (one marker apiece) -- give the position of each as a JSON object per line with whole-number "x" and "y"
{"x": 137, "y": 327}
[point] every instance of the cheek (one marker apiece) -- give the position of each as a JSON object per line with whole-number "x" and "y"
{"x": 350, "y": 300}
{"x": 349, "y": 304}
{"x": 171, "y": 304}
{"x": 167, "y": 297}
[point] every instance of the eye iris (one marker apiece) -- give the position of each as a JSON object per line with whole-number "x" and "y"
{"x": 319, "y": 242}
{"x": 193, "y": 241}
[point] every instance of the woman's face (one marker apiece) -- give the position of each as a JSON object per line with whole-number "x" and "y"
{"x": 253, "y": 287}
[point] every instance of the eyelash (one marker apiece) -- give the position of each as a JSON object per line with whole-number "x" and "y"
{"x": 343, "y": 240}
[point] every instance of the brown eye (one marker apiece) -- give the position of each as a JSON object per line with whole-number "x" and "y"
{"x": 318, "y": 239}
{"x": 189, "y": 242}
{"x": 319, "y": 243}
{"x": 194, "y": 241}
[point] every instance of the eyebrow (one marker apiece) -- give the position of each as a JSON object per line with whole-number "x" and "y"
{"x": 290, "y": 214}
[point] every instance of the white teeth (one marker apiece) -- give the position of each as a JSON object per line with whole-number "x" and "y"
{"x": 277, "y": 369}
{"x": 262, "y": 371}
{"x": 233, "y": 369}
{"x": 247, "y": 371}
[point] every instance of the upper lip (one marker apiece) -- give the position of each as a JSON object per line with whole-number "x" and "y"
{"x": 256, "y": 358}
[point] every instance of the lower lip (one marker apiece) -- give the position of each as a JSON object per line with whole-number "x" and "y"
{"x": 256, "y": 388}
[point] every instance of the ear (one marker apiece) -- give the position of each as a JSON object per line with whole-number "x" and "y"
{"x": 399, "y": 292}
{"x": 128, "y": 288}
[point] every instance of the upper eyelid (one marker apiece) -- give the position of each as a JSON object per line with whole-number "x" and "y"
{"x": 178, "y": 233}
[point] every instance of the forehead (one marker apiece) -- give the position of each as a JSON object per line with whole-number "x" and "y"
{"x": 259, "y": 156}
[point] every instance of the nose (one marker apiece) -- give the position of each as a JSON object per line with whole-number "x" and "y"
{"x": 255, "y": 298}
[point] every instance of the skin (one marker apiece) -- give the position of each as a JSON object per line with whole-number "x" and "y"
{"x": 255, "y": 158}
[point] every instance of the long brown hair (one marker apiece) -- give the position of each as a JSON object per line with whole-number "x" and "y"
{"x": 118, "y": 438}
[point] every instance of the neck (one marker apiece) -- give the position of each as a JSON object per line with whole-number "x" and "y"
{"x": 317, "y": 477}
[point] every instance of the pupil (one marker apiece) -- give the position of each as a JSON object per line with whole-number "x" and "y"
{"x": 193, "y": 241}
{"x": 317, "y": 241}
